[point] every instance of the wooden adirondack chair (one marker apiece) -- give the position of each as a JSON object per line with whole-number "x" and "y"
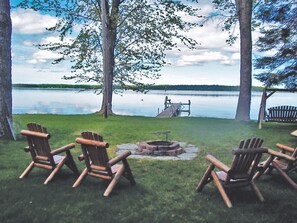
{"x": 241, "y": 172}
{"x": 282, "y": 162}
{"x": 42, "y": 155}
{"x": 98, "y": 164}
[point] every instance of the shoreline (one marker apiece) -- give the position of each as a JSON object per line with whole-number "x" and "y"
{"x": 149, "y": 87}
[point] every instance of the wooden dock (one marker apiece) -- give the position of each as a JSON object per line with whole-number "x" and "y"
{"x": 173, "y": 109}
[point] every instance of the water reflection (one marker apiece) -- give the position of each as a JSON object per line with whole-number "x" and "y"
{"x": 221, "y": 104}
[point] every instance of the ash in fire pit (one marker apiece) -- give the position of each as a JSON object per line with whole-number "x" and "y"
{"x": 158, "y": 148}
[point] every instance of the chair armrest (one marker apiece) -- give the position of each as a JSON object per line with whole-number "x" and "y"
{"x": 35, "y": 134}
{"x": 285, "y": 148}
{"x": 63, "y": 149}
{"x": 119, "y": 158}
{"x": 280, "y": 155}
{"x": 217, "y": 163}
{"x": 92, "y": 142}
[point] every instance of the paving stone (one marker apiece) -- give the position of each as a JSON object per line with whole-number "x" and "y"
{"x": 182, "y": 144}
{"x": 191, "y": 149}
{"x": 127, "y": 146}
{"x": 187, "y": 156}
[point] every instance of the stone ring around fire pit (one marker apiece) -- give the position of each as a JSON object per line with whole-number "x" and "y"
{"x": 158, "y": 148}
{"x": 161, "y": 150}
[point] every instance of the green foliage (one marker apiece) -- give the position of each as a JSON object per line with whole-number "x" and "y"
{"x": 227, "y": 15}
{"x": 145, "y": 30}
{"x": 279, "y": 42}
{"x": 165, "y": 190}
{"x": 225, "y": 12}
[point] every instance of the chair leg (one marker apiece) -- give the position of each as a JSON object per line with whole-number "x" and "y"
{"x": 128, "y": 172}
{"x": 80, "y": 178}
{"x": 114, "y": 181}
{"x": 205, "y": 178}
{"x": 27, "y": 170}
{"x": 70, "y": 162}
{"x": 285, "y": 175}
{"x": 221, "y": 189}
{"x": 257, "y": 192}
{"x": 265, "y": 168}
{"x": 56, "y": 169}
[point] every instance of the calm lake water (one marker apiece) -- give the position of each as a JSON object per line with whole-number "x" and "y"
{"x": 219, "y": 104}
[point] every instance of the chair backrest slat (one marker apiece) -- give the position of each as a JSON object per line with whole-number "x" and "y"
{"x": 96, "y": 155}
{"x": 39, "y": 145}
{"x": 246, "y": 158}
{"x": 37, "y": 138}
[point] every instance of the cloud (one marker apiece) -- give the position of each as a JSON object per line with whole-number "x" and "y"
{"x": 31, "y": 74}
{"x": 204, "y": 57}
{"x": 29, "y": 29}
{"x": 50, "y": 39}
{"x": 235, "y": 56}
{"x": 28, "y": 43}
{"x": 43, "y": 56}
{"x": 212, "y": 46}
{"x": 55, "y": 39}
{"x": 31, "y": 22}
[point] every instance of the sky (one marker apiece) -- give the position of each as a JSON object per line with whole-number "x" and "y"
{"x": 213, "y": 62}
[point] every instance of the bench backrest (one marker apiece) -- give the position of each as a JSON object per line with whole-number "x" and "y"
{"x": 282, "y": 114}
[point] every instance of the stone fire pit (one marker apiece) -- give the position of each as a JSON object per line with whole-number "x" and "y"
{"x": 159, "y": 148}
{"x": 189, "y": 152}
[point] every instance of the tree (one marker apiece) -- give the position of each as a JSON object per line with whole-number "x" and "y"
{"x": 279, "y": 38}
{"x": 244, "y": 10}
{"x": 240, "y": 10}
{"x": 119, "y": 42}
{"x": 5, "y": 69}
{"x": 109, "y": 36}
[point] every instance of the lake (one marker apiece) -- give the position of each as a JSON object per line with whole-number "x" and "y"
{"x": 219, "y": 104}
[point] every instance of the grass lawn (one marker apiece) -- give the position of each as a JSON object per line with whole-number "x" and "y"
{"x": 164, "y": 190}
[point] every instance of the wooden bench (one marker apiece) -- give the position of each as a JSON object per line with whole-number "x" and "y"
{"x": 282, "y": 114}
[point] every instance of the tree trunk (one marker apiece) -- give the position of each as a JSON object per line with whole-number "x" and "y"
{"x": 5, "y": 69}
{"x": 244, "y": 10}
{"x": 109, "y": 26}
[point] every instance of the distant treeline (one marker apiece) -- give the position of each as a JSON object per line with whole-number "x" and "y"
{"x": 199, "y": 88}
{"x": 149, "y": 87}
{"x": 63, "y": 86}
